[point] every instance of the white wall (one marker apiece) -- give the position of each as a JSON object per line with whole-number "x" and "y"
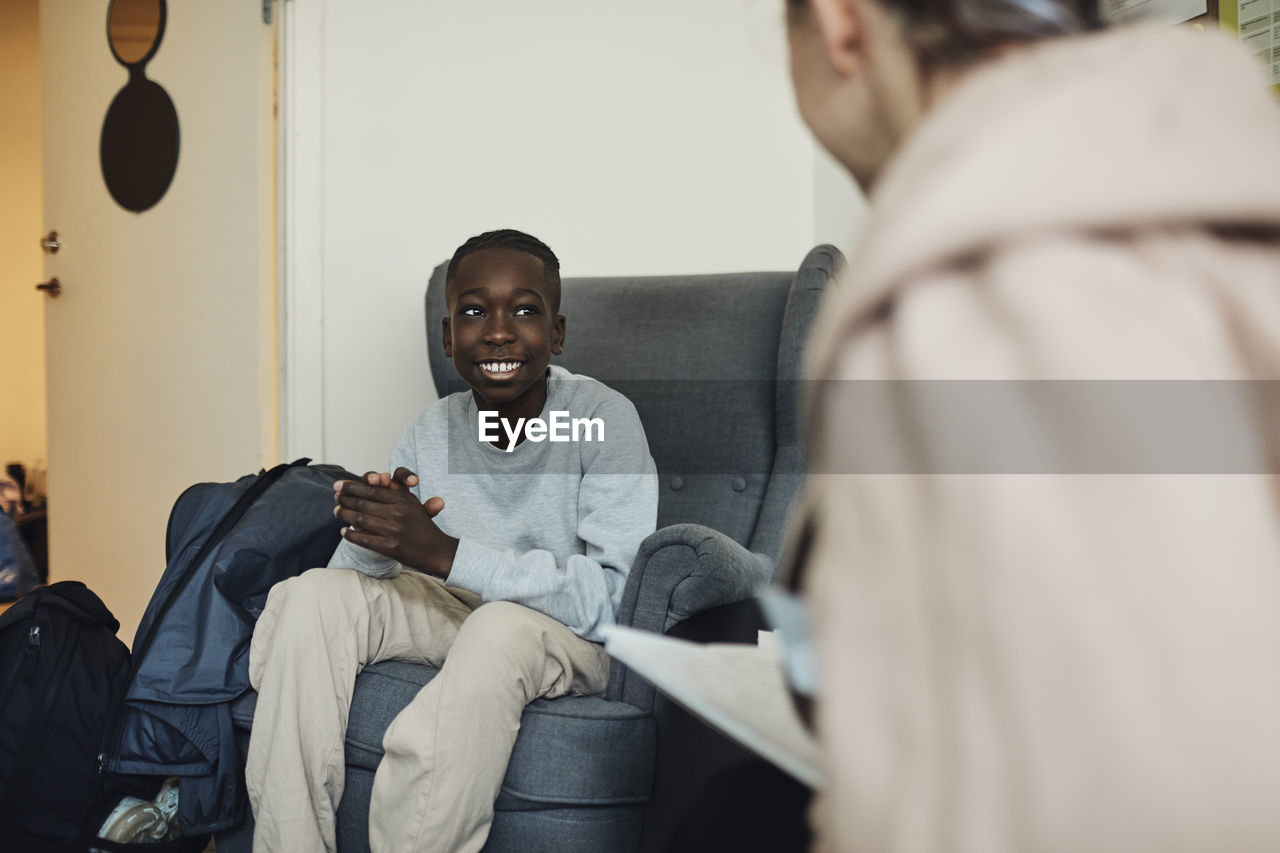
{"x": 839, "y": 207}
{"x": 634, "y": 138}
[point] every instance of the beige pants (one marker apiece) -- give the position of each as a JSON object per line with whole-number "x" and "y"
{"x": 445, "y": 754}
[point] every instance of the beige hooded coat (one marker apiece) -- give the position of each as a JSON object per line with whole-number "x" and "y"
{"x": 1021, "y": 651}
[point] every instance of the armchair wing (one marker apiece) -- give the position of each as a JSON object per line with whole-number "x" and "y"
{"x": 680, "y": 570}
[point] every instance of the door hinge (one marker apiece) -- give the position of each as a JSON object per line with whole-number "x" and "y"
{"x": 266, "y": 11}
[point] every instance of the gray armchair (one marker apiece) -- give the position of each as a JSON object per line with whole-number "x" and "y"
{"x": 710, "y": 363}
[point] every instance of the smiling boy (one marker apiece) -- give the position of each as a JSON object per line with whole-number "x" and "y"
{"x": 504, "y": 578}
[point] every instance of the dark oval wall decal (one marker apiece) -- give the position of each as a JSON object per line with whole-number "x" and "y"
{"x": 139, "y": 145}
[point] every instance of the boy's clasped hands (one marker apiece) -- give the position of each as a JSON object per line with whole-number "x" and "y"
{"x": 383, "y": 515}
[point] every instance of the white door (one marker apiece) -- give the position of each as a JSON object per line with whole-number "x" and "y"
{"x": 161, "y": 346}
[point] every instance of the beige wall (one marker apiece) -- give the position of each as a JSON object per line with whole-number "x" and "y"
{"x": 161, "y": 350}
{"x": 22, "y": 400}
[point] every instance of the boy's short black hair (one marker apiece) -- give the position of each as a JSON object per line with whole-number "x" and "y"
{"x": 509, "y": 238}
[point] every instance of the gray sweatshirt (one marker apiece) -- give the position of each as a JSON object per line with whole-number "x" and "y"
{"x": 552, "y": 524}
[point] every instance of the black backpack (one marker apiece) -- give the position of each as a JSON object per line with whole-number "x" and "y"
{"x": 63, "y": 671}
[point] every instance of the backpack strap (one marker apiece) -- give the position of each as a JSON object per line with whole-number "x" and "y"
{"x": 251, "y": 494}
{"x": 229, "y": 519}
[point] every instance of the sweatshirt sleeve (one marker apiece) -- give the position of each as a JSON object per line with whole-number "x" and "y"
{"x": 617, "y": 508}
{"x": 352, "y": 556}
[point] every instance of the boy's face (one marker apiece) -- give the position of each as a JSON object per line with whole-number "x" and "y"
{"x": 501, "y": 329}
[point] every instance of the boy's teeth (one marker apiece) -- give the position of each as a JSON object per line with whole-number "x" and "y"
{"x": 500, "y": 366}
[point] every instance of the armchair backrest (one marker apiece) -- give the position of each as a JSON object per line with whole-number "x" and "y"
{"x": 710, "y": 362}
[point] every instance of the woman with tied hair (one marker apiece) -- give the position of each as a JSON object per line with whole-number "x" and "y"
{"x": 1047, "y": 614}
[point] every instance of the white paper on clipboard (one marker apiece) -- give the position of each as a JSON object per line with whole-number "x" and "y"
{"x": 735, "y": 688}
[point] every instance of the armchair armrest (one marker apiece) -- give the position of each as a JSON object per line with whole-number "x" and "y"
{"x": 679, "y": 571}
